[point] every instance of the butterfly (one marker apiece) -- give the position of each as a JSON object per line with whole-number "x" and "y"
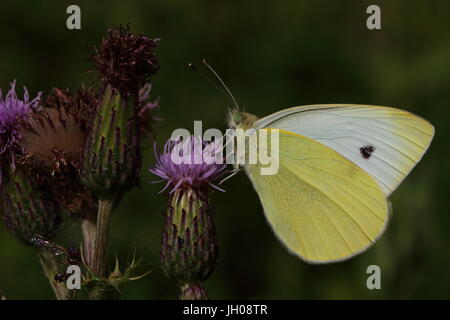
{"x": 338, "y": 165}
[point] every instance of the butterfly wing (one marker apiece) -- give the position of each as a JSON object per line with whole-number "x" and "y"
{"x": 322, "y": 206}
{"x": 386, "y": 142}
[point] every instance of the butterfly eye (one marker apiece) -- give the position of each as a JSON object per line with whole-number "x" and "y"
{"x": 238, "y": 117}
{"x": 234, "y": 119}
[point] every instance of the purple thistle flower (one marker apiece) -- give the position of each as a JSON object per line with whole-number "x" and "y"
{"x": 196, "y": 168}
{"x": 12, "y": 109}
{"x": 144, "y": 99}
{"x": 146, "y": 108}
{"x": 189, "y": 246}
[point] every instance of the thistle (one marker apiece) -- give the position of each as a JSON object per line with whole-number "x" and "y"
{"x": 125, "y": 62}
{"x": 112, "y": 157}
{"x": 26, "y": 201}
{"x": 12, "y": 111}
{"x": 189, "y": 247}
{"x": 53, "y": 139}
{"x": 28, "y": 204}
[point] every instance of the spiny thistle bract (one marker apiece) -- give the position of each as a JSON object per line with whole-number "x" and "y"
{"x": 189, "y": 247}
{"x": 112, "y": 158}
{"x": 29, "y": 207}
{"x": 113, "y": 154}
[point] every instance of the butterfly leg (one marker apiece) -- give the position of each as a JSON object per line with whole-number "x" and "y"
{"x": 232, "y": 173}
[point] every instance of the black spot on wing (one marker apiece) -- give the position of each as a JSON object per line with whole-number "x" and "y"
{"x": 367, "y": 151}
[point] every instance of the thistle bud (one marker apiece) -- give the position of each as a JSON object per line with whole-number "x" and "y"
{"x": 112, "y": 158}
{"x": 28, "y": 208}
{"x": 189, "y": 247}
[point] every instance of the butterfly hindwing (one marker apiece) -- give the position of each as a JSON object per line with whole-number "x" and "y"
{"x": 322, "y": 206}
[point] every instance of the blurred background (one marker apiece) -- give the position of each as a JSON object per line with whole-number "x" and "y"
{"x": 272, "y": 54}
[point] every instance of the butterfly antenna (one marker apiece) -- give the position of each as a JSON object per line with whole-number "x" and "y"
{"x": 222, "y": 88}
{"x": 204, "y": 76}
{"x": 222, "y": 83}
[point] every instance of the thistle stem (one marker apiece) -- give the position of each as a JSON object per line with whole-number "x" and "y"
{"x": 89, "y": 229}
{"x": 105, "y": 208}
{"x": 95, "y": 237}
{"x": 50, "y": 267}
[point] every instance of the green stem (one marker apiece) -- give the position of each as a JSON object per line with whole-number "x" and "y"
{"x": 95, "y": 237}
{"x": 95, "y": 243}
{"x": 105, "y": 208}
{"x": 89, "y": 229}
{"x": 50, "y": 267}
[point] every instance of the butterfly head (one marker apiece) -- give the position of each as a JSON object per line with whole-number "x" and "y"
{"x": 240, "y": 120}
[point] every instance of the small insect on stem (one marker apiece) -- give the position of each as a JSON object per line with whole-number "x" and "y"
{"x": 41, "y": 243}
{"x": 61, "y": 277}
{"x": 73, "y": 257}
{"x": 72, "y": 254}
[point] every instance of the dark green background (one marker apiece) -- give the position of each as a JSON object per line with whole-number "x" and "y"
{"x": 273, "y": 55}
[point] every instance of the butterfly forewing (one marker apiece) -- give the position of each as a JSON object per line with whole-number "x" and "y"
{"x": 386, "y": 142}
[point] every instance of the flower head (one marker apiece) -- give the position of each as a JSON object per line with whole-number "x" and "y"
{"x": 112, "y": 158}
{"x": 53, "y": 140}
{"x": 189, "y": 246}
{"x": 12, "y": 109}
{"x": 194, "y": 164}
{"x": 56, "y": 134}
{"x": 125, "y": 60}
